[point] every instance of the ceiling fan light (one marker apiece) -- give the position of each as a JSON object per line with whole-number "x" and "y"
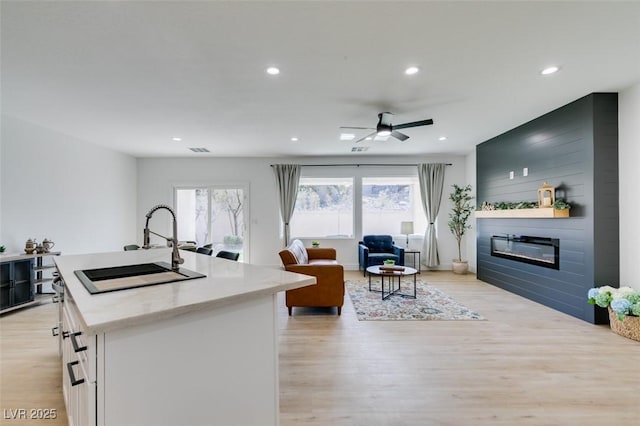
{"x": 384, "y": 124}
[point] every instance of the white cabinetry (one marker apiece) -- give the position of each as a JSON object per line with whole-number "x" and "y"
{"x": 215, "y": 367}
{"x": 196, "y": 352}
{"x": 78, "y": 368}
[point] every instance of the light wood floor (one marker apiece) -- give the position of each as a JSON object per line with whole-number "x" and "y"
{"x": 525, "y": 365}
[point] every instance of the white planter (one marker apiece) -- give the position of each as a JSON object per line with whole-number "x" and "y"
{"x": 459, "y": 266}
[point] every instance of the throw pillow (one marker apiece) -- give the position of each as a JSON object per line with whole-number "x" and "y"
{"x": 297, "y": 248}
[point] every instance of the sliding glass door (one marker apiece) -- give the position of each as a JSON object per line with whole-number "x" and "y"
{"x": 214, "y": 215}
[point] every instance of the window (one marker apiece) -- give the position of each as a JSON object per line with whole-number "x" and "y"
{"x": 213, "y": 215}
{"x": 387, "y": 201}
{"x": 324, "y": 208}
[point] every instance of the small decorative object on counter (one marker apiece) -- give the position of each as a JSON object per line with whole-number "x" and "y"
{"x": 39, "y": 249}
{"x": 389, "y": 262}
{"x": 30, "y": 246}
{"x": 2, "y": 249}
{"x": 47, "y": 245}
{"x": 315, "y": 244}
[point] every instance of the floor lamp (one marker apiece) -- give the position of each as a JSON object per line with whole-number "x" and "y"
{"x": 406, "y": 228}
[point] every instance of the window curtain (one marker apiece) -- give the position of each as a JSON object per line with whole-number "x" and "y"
{"x": 431, "y": 182}
{"x": 287, "y": 178}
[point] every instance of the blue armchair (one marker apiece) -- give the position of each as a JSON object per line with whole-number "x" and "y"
{"x": 375, "y": 249}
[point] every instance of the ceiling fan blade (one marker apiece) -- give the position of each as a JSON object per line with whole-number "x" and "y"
{"x": 400, "y": 136}
{"x": 413, "y": 124}
{"x": 357, "y": 128}
{"x": 371, "y": 135}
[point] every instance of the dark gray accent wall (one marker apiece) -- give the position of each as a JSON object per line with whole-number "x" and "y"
{"x": 575, "y": 149}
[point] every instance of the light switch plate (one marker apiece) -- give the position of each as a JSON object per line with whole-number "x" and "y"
{"x": 511, "y": 175}
{"x": 525, "y": 171}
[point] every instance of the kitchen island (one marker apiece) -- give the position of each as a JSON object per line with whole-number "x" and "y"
{"x": 197, "y": 352}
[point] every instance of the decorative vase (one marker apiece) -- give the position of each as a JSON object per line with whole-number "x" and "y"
{"x": 629, "y": 327}
{"x": 460, "y": 266}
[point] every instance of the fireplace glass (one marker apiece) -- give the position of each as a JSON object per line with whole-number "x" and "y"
{"x": 539, "y": 251}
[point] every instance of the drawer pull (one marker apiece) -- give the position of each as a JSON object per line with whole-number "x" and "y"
{"x": 72, "y": 375}
{"x": 74, "y": 342}
{"x": 65, "y": 334}
{"x": 54, "y": 331}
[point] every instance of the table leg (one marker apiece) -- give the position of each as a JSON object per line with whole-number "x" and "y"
{"x": 414, "y": 284}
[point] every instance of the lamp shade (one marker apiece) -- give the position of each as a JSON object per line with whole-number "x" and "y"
{"x": 406, "y": 228}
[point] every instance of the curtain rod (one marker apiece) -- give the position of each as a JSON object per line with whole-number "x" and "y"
{"x": 362, "y": 165}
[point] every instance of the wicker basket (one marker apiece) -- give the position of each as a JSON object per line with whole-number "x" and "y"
{"x": 629, "y": 327}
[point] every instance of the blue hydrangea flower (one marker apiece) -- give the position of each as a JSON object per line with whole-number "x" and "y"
{"x": 593, "y": 293}
{"x": 620, "y": 306}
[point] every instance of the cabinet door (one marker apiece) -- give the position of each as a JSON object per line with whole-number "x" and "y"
{"x": 5, "y": 285}
{"x": 16, "y": 283}
{"x": 68, "y": 391}
{"x": 80, "y": 398}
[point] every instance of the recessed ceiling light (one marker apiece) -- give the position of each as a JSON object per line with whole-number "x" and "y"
{"x": 176, "y": 139}
{"x": 411, "y": 70}
{"x": 294, "y": 139}
{"x": 550, "y": 70}
{"x": 273, "y": 71}
{"x": 347, "y": 136}
{"x": 442, "y": 138}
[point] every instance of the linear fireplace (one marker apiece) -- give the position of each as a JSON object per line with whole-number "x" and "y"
{"x": 539, "y": 251}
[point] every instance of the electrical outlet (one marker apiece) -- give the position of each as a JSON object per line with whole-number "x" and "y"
{"x": 511, "y": 175}
{"x": 525, "y": 171}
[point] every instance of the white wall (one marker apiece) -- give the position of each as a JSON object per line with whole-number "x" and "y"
{"x": 81, "y": 196}
{"x": 629, "y": 159}
{"x": 157, "y": 177}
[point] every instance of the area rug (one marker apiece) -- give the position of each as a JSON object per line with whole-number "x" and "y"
{"x": 431, "y": 303}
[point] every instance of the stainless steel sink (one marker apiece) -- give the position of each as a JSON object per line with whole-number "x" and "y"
{"x": 116, "y": 278}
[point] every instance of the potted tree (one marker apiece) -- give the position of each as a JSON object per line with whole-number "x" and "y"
{"x": 459, "y": 222}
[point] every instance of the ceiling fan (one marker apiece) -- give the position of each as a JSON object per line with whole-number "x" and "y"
{"x": 386, "y": 128}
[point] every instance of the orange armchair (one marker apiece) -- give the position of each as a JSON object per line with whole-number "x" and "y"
{"x": 320, "y": 263}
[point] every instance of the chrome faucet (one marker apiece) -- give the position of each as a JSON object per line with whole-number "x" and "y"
{"x": 176, "y": 260}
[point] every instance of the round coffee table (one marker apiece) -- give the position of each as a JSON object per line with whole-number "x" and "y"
{"x": 391, "y": 274}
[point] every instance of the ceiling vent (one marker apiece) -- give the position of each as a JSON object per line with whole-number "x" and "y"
{"x": 199, "y": 149}
{"x": 360, "y": 149}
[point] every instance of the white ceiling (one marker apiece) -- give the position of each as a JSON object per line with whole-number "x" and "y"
{"x": 132, "y": 75}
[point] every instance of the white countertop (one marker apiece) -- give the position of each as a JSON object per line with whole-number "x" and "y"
{"x": 10, "y": 257}
{"x": 226, "y": 282}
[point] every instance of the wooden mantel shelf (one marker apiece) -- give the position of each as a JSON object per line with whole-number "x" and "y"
{"x": 540, "y": 213}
